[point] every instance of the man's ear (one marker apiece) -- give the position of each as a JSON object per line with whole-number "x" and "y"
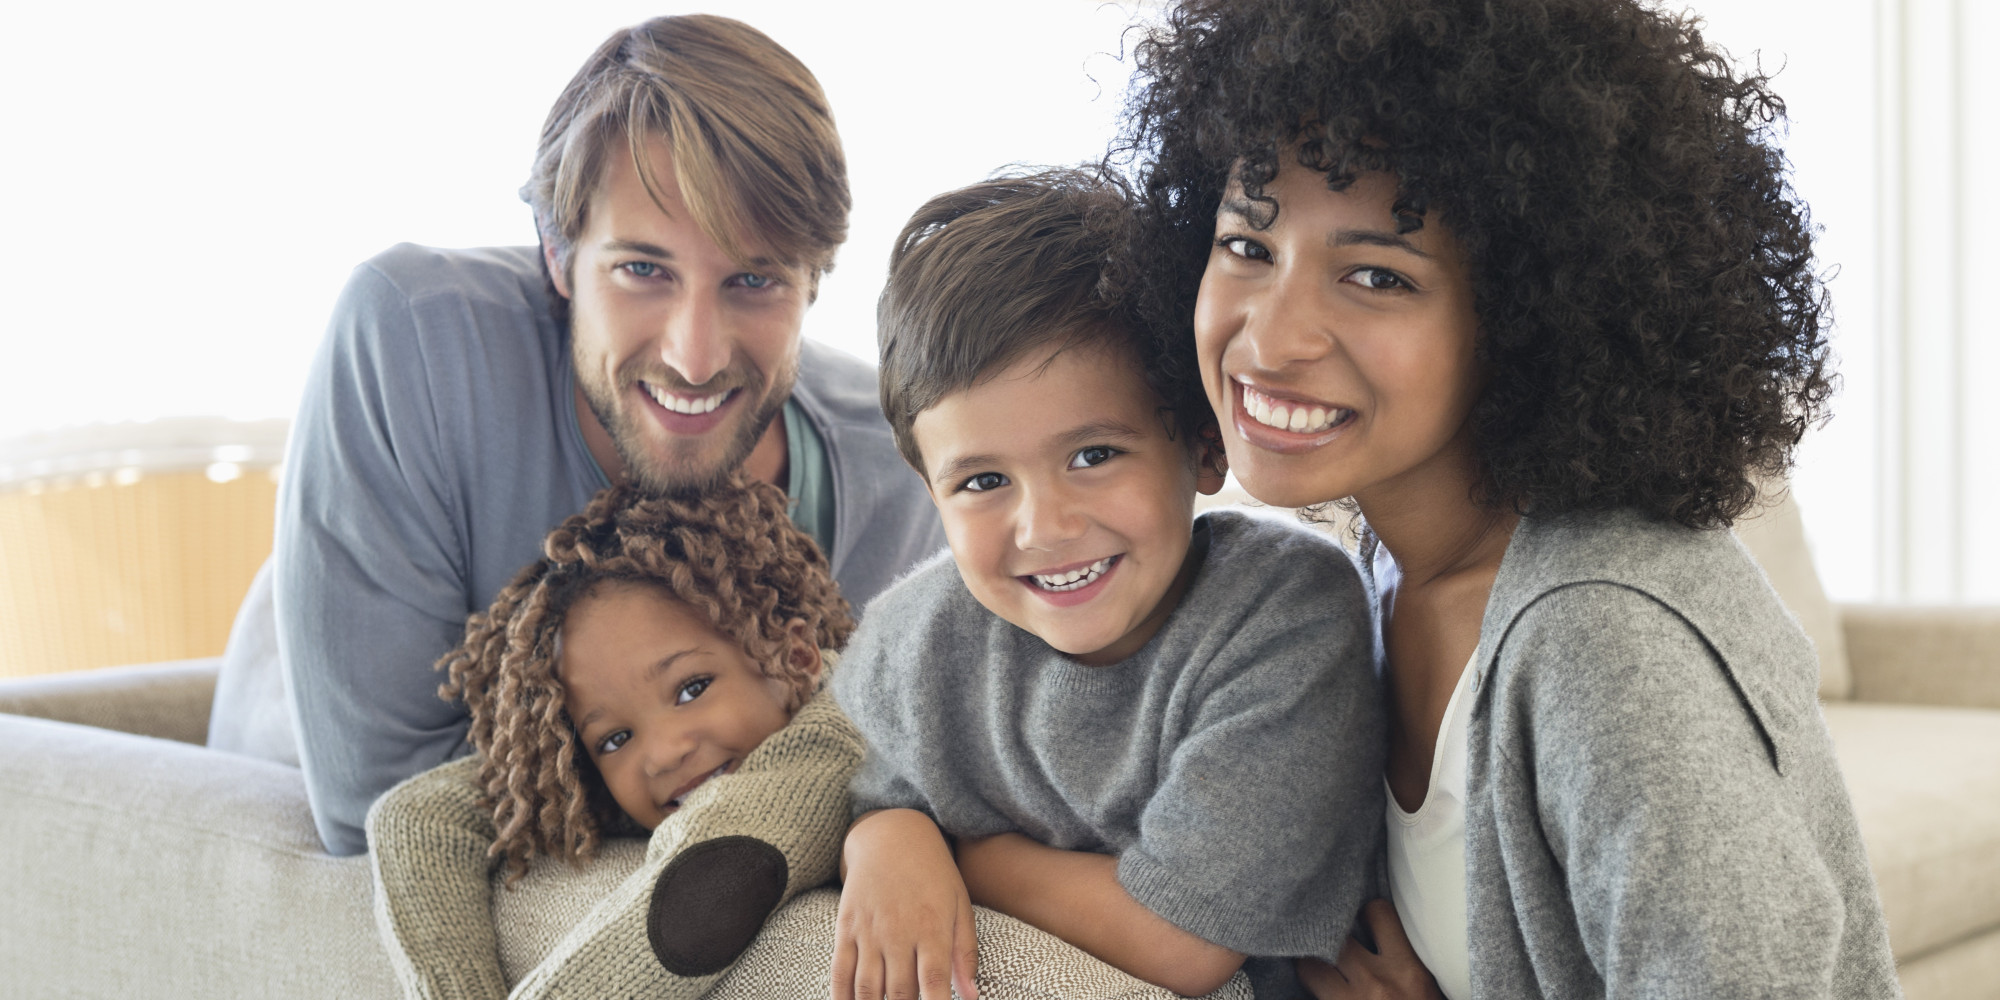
{"x": 556, "y": 275}
{"x": 801, "y": 651}
{"x": 1211, "y": 463}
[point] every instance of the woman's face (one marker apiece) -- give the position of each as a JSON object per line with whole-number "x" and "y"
{"x": 1337, "y": 353}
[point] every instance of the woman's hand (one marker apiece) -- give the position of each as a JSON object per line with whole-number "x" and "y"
{"x": 1391, "y": 973}
{"x": 905, "y": 927}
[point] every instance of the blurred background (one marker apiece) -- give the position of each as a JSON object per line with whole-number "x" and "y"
{"x": 193, "y": 182}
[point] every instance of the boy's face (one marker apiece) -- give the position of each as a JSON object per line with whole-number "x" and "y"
{"x": 1067, "y": 505}
{"x": 661, "y": 700}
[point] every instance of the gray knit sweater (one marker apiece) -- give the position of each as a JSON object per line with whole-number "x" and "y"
{"x": 1654, "y": 805}
{"x": 1232, "y": 764}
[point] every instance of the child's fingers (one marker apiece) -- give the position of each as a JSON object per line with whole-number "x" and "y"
{"x": 934, "y": 974}
{"x": 844, "y": 955}
{"x": 1387, "y": 926}
{"x": 870, "y": 977}
{"x": 965, "y": 952}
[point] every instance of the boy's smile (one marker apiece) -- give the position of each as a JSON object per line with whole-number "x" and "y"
{"x": 1067, "y": 504}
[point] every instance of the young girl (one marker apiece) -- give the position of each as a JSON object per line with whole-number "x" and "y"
{"x": 1524, "y": 280}
{"x": 639, "y": 677}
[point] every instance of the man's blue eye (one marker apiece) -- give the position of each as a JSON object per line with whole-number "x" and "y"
{"x": 1096, "y": 454}
{"x": 985, "y": 481}
{"x": 693, "y": 689}
{"x": 754, "y": 280}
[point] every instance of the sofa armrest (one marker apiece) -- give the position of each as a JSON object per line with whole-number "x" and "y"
{"x": 165, "y": 700}
{"x": 144, "y": 867}
{"x": 1919, "y": 655}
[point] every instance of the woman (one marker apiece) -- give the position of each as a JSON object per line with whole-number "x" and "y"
{"x": 1526, "y": 282}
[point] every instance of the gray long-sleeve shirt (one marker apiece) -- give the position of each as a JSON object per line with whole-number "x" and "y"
{"x": 1654, "y": 807}
{"x": 1232, "y": 764}
{"x": 436, "y": 444}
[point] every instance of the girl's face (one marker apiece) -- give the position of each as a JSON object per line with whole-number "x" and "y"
{"x": 1337, "y": 353}
{"x": 661, "y": 700}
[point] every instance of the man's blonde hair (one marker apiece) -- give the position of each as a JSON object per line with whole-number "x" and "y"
{"x": 752, "y": 139}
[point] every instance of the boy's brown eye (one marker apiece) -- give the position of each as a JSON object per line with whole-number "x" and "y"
{"x": 985, "y": 481}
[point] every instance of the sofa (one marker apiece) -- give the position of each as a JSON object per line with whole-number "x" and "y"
{"x": 137, "y": 861}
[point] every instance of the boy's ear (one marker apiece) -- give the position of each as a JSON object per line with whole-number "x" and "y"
{"x": 801, "y": 652}
{"x": 1211, "y": 463}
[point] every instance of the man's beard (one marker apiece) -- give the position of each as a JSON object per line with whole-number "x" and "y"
{"x": 685, "y": 473}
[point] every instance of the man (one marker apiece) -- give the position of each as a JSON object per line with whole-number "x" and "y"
{"x": 689, "y": 191}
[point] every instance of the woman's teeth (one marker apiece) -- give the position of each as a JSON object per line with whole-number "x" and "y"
{"x": 1074, "y": 579}
{"x": 1299, "y": 418}
{"x": 678, "y": 404}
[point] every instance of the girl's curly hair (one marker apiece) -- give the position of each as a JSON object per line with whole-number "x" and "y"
{"x": 1651, "y": 329}
{"x": 731, "y": 553}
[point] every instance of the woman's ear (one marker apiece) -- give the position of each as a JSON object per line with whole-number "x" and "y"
{"x": 1211, "y": 463}
{"x": 801, "y": 651}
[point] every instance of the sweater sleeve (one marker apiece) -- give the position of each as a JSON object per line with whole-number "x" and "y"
{"x": 1690, "y": 866}
{"x": 791, "y": 793}
{"x": 1268, "y": 814}
{"x": 433, "y": 905}
{"x": 370, "y": 577}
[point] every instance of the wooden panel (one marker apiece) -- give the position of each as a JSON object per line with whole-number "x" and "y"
{"x": 96, "y": 572}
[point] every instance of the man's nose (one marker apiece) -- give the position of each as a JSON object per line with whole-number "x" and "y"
{"x": 692, "y": 341}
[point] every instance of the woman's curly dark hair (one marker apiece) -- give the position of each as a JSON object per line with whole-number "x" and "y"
{"x": 1651, "y": 328}
{"x": 730, "y": 553}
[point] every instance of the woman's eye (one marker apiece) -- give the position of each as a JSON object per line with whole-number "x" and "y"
{"x": 1378, "y": 279}
{"x": 693, "y": 689}
{"x": 641, "y": 269}
{"x": 1241, "y": 247}
{"x": 1096, "y": 454}
{"x": 985, "y": 481}
{"x": 613, "y": 741}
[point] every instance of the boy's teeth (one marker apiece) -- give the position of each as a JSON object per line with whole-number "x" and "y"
{"x": 1075, "y": 578}
{"x": 675, "y": 403}
{"x": 1297, "y": 419}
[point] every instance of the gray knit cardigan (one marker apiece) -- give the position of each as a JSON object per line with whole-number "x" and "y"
{"x": 1654, "y": 808}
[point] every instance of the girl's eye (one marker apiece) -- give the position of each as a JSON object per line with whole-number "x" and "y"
{"x": 693, "y": 689}
{"x": 1241, "y": 247}
{"x": 613, "y": 741}
{"x": 1378, "y": 279}
{"x": 1096, "y": 454}
{"x": 984, "y": 481}
{"x": 749, "y": 280}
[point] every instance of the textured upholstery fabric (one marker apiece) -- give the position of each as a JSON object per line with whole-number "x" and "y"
{"x": 166, "y": 700}
{"x": 144, "y": 867}
{"x": 1924, "y": 655}
{"x": 1925, "y": 783}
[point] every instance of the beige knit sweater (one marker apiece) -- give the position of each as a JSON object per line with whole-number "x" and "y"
{"x": 428, "y": 840}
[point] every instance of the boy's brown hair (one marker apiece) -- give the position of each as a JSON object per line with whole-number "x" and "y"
{"x": 752, "y": 138}
{"x": 732, "y": 554}
{"x": 984, "y": 275}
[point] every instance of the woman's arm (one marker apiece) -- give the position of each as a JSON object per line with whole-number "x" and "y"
{"x": 1075, "y": 895}
{"x": 1634, "y": 786}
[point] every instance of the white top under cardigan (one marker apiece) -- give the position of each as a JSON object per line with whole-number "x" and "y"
{"x": 1427, "y": 855}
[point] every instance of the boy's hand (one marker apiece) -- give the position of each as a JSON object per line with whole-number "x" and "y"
{"x": 905, "y": 927}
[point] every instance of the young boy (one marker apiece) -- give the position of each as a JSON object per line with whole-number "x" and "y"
{"x": 1157, "y": 737}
